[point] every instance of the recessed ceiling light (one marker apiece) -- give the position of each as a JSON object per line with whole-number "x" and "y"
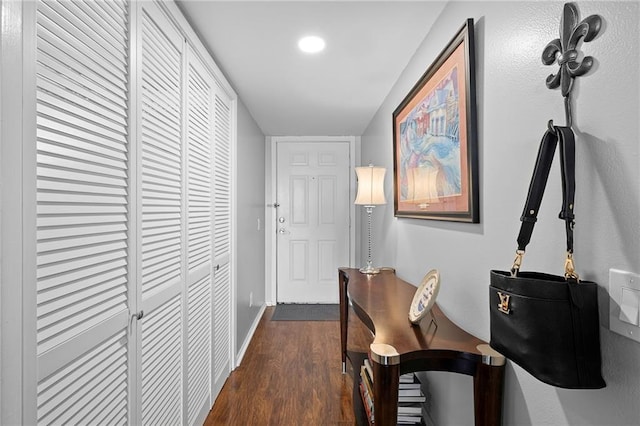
{"x": 311, "y": 44}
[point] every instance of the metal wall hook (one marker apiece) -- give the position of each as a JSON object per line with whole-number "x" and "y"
{"x": 567, "y": 114}
{"x": 564, "y": 51}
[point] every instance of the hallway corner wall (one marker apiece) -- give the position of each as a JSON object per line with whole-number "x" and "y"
{"x": 250, "y": 225}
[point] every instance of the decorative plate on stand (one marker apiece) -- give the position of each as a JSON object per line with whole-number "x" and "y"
{"x": 425, "y": 296}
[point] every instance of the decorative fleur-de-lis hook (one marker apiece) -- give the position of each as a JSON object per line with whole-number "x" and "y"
{"x": 564, "y": 51}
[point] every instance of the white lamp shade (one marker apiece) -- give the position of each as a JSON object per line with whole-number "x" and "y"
{"x": 370, "y": 186}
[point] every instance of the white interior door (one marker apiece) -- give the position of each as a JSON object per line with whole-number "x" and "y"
{"x": 199, "y": 159}
{"x": 83, "y": 284}
{"x": 223, "y": 190}
{"x": 312, "y": 185}
{"x": 161, "y": 218}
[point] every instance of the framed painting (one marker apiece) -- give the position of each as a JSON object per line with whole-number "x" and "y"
{"x": 435, "y": 139}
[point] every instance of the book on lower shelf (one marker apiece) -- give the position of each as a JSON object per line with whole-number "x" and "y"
{"x": 411, "y": 410}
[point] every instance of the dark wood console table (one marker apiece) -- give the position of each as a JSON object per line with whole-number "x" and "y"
{"x": 382, "y": 302}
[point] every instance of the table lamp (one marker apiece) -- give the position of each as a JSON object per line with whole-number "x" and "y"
{"x": 370, "y": 193}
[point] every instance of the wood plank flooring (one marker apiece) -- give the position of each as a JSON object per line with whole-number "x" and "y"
{"x": 291, "y": 375}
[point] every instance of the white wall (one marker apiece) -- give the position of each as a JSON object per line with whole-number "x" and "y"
{"x": 514, "y": 106}
{"x": 250, "y": 209}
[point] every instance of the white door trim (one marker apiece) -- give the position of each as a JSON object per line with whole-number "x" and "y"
{"x": 18, "y": 401}
{"x": 270, "y": 198}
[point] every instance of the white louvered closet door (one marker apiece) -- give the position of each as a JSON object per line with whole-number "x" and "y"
{"x": 160, "y": 217}
{"x": 199, "y": 146}
{"x": 82, "y": 212}
{"x": 222, "y": 239}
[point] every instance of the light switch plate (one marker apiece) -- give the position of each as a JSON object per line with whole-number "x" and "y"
{"x": 621, "y": 318}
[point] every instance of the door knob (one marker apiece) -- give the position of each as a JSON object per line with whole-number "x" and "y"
{"x": 282, "y": 231}
{"x": 281, "y": 219}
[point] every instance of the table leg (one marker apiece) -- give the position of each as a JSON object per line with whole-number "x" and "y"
{"x": 487, "y": 395}
{"x": 385, "y": 363}
{"x": 487, "y": 387}
{"x": 344, "y": 317}
{"x": 386, "y": 379}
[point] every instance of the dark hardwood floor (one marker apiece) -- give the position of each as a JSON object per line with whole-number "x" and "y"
{"x": 291, "y": 375}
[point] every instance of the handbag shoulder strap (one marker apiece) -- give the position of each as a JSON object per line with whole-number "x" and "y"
{"x": 553, "y": 136}
{"x": 568, "y": 169}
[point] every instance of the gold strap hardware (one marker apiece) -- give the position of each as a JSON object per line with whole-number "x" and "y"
{"x": 517, "y": 262}
{"x": 569, "y": 268}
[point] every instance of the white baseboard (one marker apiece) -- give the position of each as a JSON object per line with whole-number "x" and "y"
{"x": 247, "y": 340}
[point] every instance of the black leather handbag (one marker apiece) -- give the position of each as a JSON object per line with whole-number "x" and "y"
{"x": 548, "y": 324}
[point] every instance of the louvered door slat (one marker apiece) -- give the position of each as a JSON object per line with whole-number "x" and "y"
{"x": 49, "y": 71}
{"x": 161, "y": 276}
{"x": 83, "y": 17}
{"x": 161, "y": 373}
{"x": 72, "y": 231}
{"x": 52, "y": 221}
{"x": 222, "y": 306}
{"x": 154, "y": 100}
{"x": 59, "y": 50}
{"x": 71, "y": 198}
{"x": 78, "y": 42}
{"x": 82, "y": 192}
{"x": 55, "y": 252}
{"x": 66, "y": 134}
{"x": 200, "y": 140}
{"x": 52, "y": 62}
{"x": 199, "y": 135}
{"x": 157, "y": 84}
{"x": 199, "y": 347}
{"x": 65, "y": 148}
{"x": 53, "y": 298}
{"x": 161, "y": 160}
{"x": 70, "y": 19}
{"x": 158, "y": 161}
{"x": 66, "y": 326}
{"x": 222, "y": 239}
{"x": 222, "y": 167}
{"x": 54, "y": 278}
{"x": 93, "y": 14}
{"x": 76, "y": 379}
{"x": 71, "y": 237}
{"x": 64, "y": 209}
{"x": 47, "y": 111}
{"x": 161, "y": 217}
{"x": 47, "y": 185}
{"x": 62, "y": 103}
{"x": 161, "y": 42}
{"x": 155, "y": 182}
{"x": 114, "y": 9}
{"x": 102, "y": 40}
{"x": 71, "y": 94}
{"x": 58, "y": 314}
{"x": 72, "y": 170}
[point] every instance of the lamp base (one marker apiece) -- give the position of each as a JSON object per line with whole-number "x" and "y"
{"x": 369, "y": 270}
